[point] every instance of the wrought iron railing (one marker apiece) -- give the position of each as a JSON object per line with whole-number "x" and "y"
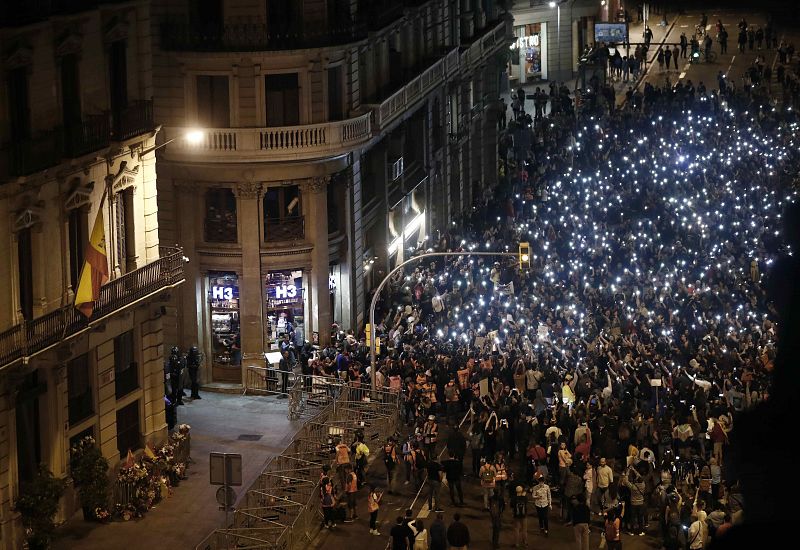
{"x": 28, "y": 338}
{"x": 132, "y": 120}
{"x": 285, "y": 229}
{"x": 91, "y": 134}
{"x": 27, "y": 156}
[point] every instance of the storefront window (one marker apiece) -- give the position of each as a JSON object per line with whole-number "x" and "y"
{"x": 223, "y": 298}
{"x": 526, "y": 53}
{"x": 220, "y": 222}
{"x": 285, "y": 300}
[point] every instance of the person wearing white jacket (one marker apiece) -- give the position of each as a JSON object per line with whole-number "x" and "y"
{"x": 605, "y": 477}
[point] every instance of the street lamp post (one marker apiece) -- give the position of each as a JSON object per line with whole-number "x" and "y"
{"x": 376, "y": 295}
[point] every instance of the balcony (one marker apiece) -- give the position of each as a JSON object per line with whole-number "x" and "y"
{"x": 486, "y": 42}
{"x": 14, "y": 13}
{"x": 134, "y": 119}
{"x": 186, "y": 35}
{"x": 280, "y": 143}
{"x": 28, "y": 156}
{"x": 291, "y": 228}
{"x": 32, "y": 337}
{"x": 415, "y": 90}
{"x": 92, "y": 134}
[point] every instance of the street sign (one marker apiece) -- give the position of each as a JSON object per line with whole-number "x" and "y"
{"x": 226, "y": 497}
{"x": 225, "y": 469}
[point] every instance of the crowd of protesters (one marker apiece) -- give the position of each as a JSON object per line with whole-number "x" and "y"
{"x": 607, "y": 375}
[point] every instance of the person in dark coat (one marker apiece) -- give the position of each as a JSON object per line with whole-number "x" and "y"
{"x": 438, "y": 534}
{"x": 457, "y": 534}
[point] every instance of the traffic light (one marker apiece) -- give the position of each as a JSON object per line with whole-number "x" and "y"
{"x": 524, "y": 256}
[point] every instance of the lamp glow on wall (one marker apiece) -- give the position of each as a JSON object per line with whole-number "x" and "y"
{"x": 408, "y": 230}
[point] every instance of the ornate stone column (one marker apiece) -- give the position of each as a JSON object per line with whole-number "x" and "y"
{"x": 249, "y": 193}
{"x": 315, "y": 199}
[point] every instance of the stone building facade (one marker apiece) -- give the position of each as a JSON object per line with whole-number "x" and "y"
{"x": 338, "y": 136}
{"x": 77, "y": 126}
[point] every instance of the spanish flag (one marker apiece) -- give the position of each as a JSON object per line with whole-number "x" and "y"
{"x": 95, "y": 268}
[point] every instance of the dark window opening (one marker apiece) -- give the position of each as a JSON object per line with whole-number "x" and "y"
{"x": 335, "y": 110}
{"x": 129, "y": 438}
{"x": 126, "y": 372}
{"x": 79, "y": 389}
{"x": 77, "y": 245}
{"x": 213, "y": 103}
{"x": 70, "y": 93}
{"x": 283, "y": 99}
{"x": 283, "y": 20}
{"x": 207, "y": 15}
{"x": 220, "y": 222}
{"x": 283, "y": 214}
{"x": 29, "y": 445}
{"x": 19, "y": 113}
{"x": 25, "y": 272}
{"x": 118, "y": 67}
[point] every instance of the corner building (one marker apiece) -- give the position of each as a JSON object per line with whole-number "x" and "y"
{"x": 338, "y": 136}
{"x": 77, "y": 123}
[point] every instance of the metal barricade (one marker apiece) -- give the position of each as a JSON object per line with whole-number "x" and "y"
{"x": 280, "y": 510}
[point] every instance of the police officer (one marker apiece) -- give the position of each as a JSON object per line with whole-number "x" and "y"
{"x": 193, "y": 360}
{"x": 175, "y": 365}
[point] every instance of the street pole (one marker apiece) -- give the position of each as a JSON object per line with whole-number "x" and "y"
{"x": 558, "y": 37}
{"x": 376, "y": 295}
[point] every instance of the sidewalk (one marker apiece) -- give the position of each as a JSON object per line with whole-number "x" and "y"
{"x": 218, "y": 423}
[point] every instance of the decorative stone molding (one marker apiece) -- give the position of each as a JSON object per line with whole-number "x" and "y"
{"x": 117, "y": 29}
{"x": 25, "y": 218}
{"x": 19, "y": 56}
{"x": 69, "y": 43}
{"x": 124, "y": 178}
{"x": 248, "y": 189}
{"x": 317, "y": 184}
{"x": 80, "y": 196}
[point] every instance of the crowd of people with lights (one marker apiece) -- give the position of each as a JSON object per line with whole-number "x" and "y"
{"x": 611, "y": 365}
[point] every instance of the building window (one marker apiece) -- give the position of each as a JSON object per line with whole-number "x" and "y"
{"x": 213, "y": 104}
{"x": 129, "y": 438}
{"x": 19, "y": 113}
{"x": 118, "y": 70}
{"x": 25, "y": 272}
{"x": 220, "y": 222}
{"x": 283, "y": 99}
{"x": 126, "y": 372}
{"x": 70, "y": 94}
{"x": 79, "y": 389}
{"x": 77, "y": 245}
{"x": 283, "y": 218}
{"x": 335, "y": 110}
{"x": 283, "y": 20}
{"x": 75, "y": 439}
{"x": 124, "y": 230}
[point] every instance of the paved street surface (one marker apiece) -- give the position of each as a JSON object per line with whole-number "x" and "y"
{"x": 733, "y": 64}
{"x": 472, "y": 513}
{"x": 183, "y": 520}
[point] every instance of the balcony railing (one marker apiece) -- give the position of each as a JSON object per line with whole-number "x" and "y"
{"x": 281, "y": 143}
{"x": 91, "y": 134}
{"x": 415, "y": 89}
{"x": 31, "y": 155}
{"x": 287, "y": 229}
{"x": 31, "y": 337}
{"x": 485, "y": 42}
{"x": 130, "y": 121}
{"x": 185, "y": 35}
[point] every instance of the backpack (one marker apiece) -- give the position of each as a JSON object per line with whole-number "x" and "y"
{"x": 520, "y": 507}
